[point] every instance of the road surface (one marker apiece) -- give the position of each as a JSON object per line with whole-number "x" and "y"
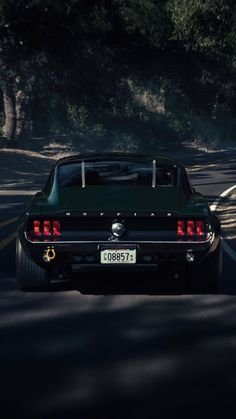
{"x": 125, "y": 349}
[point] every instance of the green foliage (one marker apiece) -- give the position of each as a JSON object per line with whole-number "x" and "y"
{"x": 149, "y": 70}
{"x": 204, "y": 26}
{"x": 147, "y": 18}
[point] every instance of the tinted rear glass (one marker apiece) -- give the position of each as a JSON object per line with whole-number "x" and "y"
{"x": 115, "y": 173}
{"x": 70, "y": 174}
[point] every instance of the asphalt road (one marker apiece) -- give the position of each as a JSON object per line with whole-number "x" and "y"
{"x": 125, "y": 348}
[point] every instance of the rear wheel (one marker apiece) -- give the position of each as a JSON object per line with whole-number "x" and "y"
{"x": 206, "y": 277}
{"x": 30, "y": 276}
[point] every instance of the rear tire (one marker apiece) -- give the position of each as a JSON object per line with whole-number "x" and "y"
{"x": 206, "y": 277}
{"x": 30, "y": 276}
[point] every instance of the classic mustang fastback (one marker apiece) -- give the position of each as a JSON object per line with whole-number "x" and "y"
{"x": 119, "y": 211}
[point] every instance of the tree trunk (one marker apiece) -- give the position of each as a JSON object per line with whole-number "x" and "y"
{"x": 15, "y": 114}
{"x": 10, "y": 114}
{"x": 20, "y": 106}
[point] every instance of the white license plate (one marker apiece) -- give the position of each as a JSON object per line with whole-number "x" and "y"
{"x": 118, "y": 256}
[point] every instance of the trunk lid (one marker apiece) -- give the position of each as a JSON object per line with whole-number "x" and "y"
{"x": 120, "y": 198}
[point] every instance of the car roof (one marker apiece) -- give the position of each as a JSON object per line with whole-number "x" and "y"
{"x": 160, "y": 159}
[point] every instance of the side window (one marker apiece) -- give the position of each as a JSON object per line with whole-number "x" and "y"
{"x": 70, "y": 174}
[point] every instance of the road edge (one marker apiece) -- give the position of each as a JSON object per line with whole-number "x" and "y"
{"x": 230, "y": 252}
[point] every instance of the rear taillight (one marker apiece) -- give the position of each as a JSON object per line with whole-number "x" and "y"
{"x": 191, "y": 230}
{"x": 46, "y": 228}
{"x": 200, "y": 228}
{"x": 37, "y": 228}
{"x": 180, "y": 231}
{"x": 56, "y": 228}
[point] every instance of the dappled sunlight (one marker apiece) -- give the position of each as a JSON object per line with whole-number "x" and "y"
{"x": 135, "y": 351}
{"x": 129, "y": 76}
{"x": 152, "y": 98}
{"x": 227, "y": 214}
{"x": 6, "y": 152}
{"x": 121, "y": 377}
{"x": 11, "y": 205}
{"x": 123, "y": 347}
{"x": 23, "y": 170}
{"x": 116, "y": 342}
{"x": 17, "y": 192}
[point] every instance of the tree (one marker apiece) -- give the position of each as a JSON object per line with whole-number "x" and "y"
{"x": 79, "y": 57}
{"x": 206, "y": 30}
{"x": 27, "y": 45}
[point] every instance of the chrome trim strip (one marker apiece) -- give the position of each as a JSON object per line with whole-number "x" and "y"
{"x": 210, "y": 239}
{"x": 154, "y": 166}
{"x": 83, "y": 173}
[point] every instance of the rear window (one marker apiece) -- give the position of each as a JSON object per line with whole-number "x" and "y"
{"x": 115, "y": 173}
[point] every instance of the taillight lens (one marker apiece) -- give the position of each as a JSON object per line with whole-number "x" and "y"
{"x": 190, "y": 228}
{"x": 56, "y": 228}
{"x": 37, "y": 228}
{"x": 180, "y": 230}
{"x": 200, "y": 228}
{"x": 46, "y": 228}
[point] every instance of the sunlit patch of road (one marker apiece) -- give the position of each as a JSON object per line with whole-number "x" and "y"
{"x": 227, "y": 213}
{"x": 18, "y": 192}
{"x": 83, "y": 350}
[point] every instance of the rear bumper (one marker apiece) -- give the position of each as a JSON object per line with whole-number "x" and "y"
{"x": 77, "y": 256}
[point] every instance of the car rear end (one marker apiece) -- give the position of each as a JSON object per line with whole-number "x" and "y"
{"x": 118, "y": 214}
{"x": 73, "y": 243}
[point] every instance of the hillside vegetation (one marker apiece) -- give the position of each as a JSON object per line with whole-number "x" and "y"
{"x": 120, "y": 72}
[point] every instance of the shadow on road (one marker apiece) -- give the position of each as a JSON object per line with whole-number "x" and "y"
{"x": 125, "y": 348}
{"x": 120, "y": 352}
{"x": 72, "y": 356}
{"x": 125, "y": 283}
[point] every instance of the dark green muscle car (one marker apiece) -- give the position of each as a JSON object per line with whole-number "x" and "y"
{"x": 119, "y": 211}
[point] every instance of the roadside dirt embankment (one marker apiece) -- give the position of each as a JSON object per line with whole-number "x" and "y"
{"x": 27, "y": 169}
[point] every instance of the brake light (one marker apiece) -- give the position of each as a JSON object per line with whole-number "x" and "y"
{"x": 37, "y": 228}
{"x": 190, "y": 228}
{"x": 56, "y": 228}
{"x": 200, "y": 228}
{"x": 46, "y": 228}
{"x": 180, "y": 230}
